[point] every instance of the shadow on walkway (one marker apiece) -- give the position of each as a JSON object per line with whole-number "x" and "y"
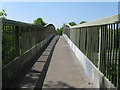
{"x": 35, "y": 77}
{"x": 40, "y": 81}
{"x": 59, "y": 84}
{"x": 65, "y": 71}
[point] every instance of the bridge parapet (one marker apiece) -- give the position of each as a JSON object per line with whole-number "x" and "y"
{"x": 98, "y": 42}
{"x": 22, "y": 43}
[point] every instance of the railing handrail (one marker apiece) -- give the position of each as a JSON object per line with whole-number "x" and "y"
{"x": 102, "y": 21}
{"x": 47, "y": 25}
{"x": 20, "y": 32}
{"x": 22, "y": 43}
{"x": 99, "y": 41}
{"x": 19, "y": 23}
{"x": 13, "y": 22}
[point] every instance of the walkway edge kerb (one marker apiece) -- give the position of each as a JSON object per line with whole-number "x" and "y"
{"x": 40, "y": 81}
{"x": 94, "y": 75}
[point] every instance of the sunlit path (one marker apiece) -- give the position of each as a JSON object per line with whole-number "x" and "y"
{"x": 65, "y": 71}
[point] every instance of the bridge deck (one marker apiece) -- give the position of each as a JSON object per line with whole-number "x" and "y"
{"x": 57, "y": 67}
{"x": 65, "y": 71}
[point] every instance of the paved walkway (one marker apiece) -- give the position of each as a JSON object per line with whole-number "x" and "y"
{"x": 57, "y": 67}
{"x": 35, "y": 76}
{"x": 65, "y": 71}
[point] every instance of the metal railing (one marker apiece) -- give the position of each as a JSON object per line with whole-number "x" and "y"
{"x": 100, "y": 41}
{"x": 18, "y": 37}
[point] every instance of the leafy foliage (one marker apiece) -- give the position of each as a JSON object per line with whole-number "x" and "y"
{"x": 72, "y": 24}
{"x": 3, "y": 14}
{"x": 8, "y": 41}
{"x": 39, "y": 21}
{"x": 83, "y": 22}
{"x": 59, "y": 31}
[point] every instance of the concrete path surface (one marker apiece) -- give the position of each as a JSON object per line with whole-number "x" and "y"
{"x": 35, "y": 76}
{"x": 64, "y": 70}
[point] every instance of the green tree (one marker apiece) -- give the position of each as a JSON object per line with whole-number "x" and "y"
{"x": 72, "y": 24}
{"x": 3, "y": 14}
{"x": 83, "y": 22}
{"x": 59, "y": 31}
{"x": 39, "y": 21}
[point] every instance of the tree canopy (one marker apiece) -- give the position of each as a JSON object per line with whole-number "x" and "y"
{"x": 83, "y": 22}
{"x": 59, "y": 31}
{"x": 72, "y": 24}
{"x": 3, "y": 14}
{"x": 39, "y": 21}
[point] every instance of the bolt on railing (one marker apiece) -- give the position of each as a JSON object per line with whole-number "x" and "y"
{"x": 100, "y": 41}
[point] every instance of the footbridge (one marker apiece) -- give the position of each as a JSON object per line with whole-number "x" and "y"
{"x": 84, "y": 56}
